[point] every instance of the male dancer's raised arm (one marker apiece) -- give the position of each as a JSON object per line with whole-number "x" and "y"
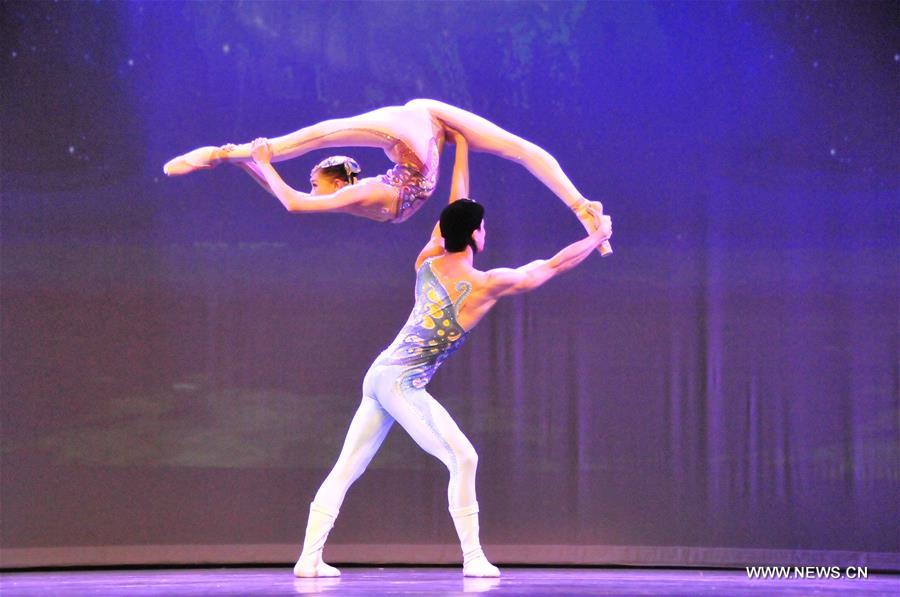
{"x": 493, "y": 284}
{"x": 504, "y": 281}
{"x": 459, "y": 189}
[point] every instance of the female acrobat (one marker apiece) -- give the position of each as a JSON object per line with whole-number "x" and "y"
{"x": 412, "y": 136}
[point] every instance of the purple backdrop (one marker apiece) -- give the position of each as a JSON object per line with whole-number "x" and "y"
{"x": 181, "y": 357}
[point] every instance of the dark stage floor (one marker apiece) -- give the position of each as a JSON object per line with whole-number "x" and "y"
{"x": 430, "y": 581}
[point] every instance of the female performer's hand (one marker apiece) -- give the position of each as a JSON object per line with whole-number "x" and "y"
{"x": 260, "y": 151}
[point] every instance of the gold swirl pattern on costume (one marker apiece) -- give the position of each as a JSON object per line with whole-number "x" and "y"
{"x": 431, "y": 333}
{"x": 463, "y": 287}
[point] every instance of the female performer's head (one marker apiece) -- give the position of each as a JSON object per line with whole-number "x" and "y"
{"x": 332, "y": 174}
{"x": 462, "y": 225}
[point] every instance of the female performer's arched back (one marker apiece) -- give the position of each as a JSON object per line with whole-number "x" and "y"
{"x": 412, "y": 136}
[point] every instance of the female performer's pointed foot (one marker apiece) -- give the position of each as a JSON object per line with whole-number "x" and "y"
{"x": 201, "y": 158}
{"x": 588, "y": 213}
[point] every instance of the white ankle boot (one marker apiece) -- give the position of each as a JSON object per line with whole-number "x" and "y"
{"x": 310, "y": 563}
{"x": 474, "y": 561}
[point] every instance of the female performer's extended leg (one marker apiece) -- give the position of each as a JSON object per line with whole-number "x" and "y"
{"x": 485, "y": 136}
{"x": 330, "y": 133}
{"x": 378, "y": 128}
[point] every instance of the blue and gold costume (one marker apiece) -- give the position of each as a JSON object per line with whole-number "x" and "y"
{"x": 394, "y": 390}
{"x": 431, "y": 333}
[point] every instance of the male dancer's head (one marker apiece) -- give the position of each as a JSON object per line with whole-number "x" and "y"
{"x": 462, "y": 225}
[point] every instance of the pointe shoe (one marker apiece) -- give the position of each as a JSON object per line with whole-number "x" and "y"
{"x": 477, "y": 565}
{"x": 201, "y": 158}
{"x": 310, "y": 568}
{"x": 586, "y": 213}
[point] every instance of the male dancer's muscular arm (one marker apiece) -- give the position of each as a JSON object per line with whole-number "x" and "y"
{"x": 507, "y": 281}
{"x": 459, "y": 186}
{"x": 459, "y": 189}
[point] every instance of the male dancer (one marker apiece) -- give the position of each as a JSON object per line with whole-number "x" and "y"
{"x": 451, "y": 298}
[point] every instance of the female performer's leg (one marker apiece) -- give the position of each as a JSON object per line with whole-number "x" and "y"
{"x": 379, "y": 128}
{"x": 339, "y": 132}
{"x": 485, "y": 136}
{"x": 368, "y": 429}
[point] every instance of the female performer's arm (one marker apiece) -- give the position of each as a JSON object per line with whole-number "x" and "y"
{"x": 252, "y": 169}
{"x": 359, "y": 199}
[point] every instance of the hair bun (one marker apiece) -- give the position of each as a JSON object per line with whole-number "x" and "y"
{"x": 336, "y": 164}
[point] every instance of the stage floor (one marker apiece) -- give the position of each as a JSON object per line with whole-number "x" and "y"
{"x": 430, "y": 581}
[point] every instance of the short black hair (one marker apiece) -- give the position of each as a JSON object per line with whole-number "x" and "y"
{"x": 458, "y": 221}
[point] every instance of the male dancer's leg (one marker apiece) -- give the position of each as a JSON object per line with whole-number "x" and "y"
{"x": 432, "y": 427}
{"x": 369, "y": 427}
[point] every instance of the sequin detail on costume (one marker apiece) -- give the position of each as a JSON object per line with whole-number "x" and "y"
{"x": 431, "y": 334}
{"x": 463, "y": 287}
{"x": 414, "y": 182}
{"x": 413, "y": 189}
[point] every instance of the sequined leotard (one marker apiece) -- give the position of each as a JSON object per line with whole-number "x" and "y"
{"x": 413, "y": 179}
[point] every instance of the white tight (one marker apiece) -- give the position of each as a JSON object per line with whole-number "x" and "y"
{"x": 427, "y": 422}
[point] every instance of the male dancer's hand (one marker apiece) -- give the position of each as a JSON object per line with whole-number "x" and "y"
{"x": 453, "y": 135}
{"x": 590, "y": 214}
{"x": 604, "y": 230}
